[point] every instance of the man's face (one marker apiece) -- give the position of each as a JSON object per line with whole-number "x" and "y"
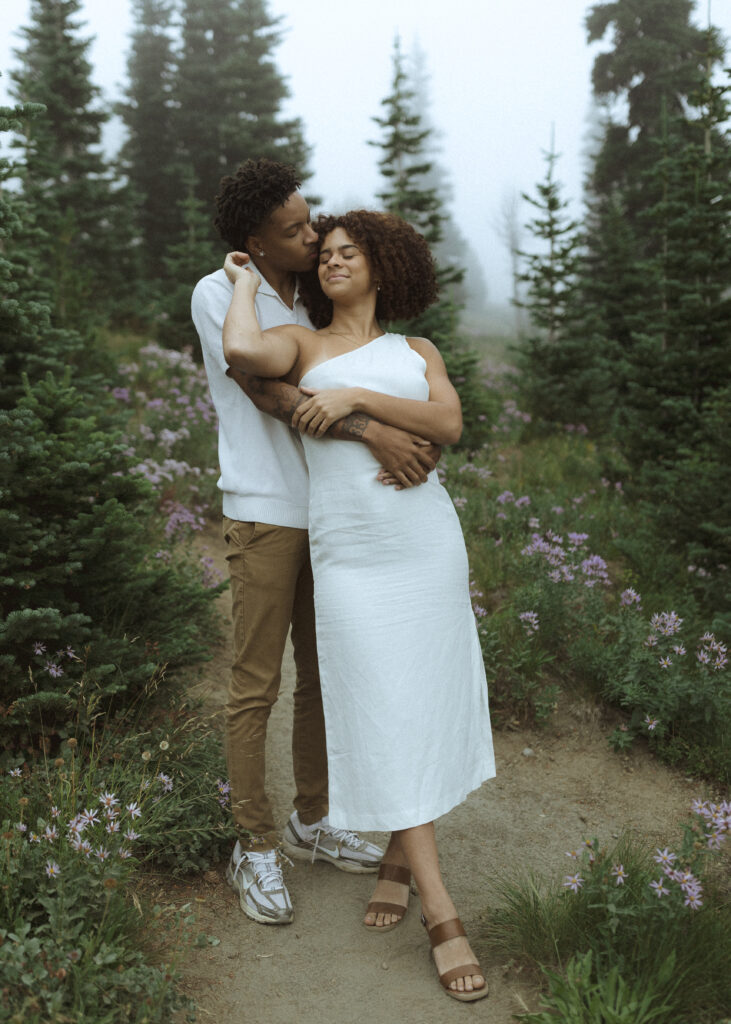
{"x": 286, "y": 238}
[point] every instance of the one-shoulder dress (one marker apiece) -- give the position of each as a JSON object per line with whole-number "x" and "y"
{"x": 403, "y": 680}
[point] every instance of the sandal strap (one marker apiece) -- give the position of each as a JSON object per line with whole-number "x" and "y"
{"x": 378, "y": 907}
{"x": 460, "y": 972}
{"x": 394, "y": 873}
{"x": 443, "y": 932}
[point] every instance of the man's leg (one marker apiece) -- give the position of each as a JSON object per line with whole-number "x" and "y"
{"x": 308, "y": 834}
{"x": 265, "y": 562}
{"x": 309, "y": 749}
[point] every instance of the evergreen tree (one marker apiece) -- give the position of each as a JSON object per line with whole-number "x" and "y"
{"x": 78, "y": 528}
{"x": 185, "y": 263}
{"x": 656, "y": 66}
{"x": 562, "y": 370}
{"x": 28, "y": 344}
{"x": 408, "y": 194}
{"x": 411, "y": 191}
{"x": 229, "y": 93}
{"x": 65, "y": 179}
{"x": 657, "y": 61}
{"x": 149, "y": 156}
{"x": 681, "y": 339}
{"x": 453, "y": 251}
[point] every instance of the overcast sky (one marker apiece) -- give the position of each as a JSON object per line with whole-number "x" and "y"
{"x": 503, "y": 72}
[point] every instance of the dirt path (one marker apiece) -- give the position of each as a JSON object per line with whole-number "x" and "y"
{"x": 327, "y": 968}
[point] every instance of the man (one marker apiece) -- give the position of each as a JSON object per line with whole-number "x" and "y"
{"x": 265, "y": 495}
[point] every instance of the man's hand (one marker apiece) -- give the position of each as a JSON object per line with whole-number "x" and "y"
{"x": 406, "y": 459}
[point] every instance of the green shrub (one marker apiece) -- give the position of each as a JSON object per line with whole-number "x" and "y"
{"x": 88, "y": 610}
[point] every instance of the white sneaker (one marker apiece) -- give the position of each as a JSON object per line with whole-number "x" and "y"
{"x": 257, "y": 878}
{"x": 338, "y": 846}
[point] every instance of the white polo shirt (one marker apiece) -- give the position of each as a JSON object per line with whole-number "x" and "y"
{"x": 263, "y": 471}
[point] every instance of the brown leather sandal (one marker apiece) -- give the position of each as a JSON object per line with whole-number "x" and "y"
{"x": 443, "y": 933}
{"x": 391, "y": 873}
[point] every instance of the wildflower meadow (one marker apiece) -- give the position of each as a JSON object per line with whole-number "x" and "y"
{"x": 109, "y": 770}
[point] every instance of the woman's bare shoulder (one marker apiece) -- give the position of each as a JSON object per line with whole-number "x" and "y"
{"x": 426, "y": 349}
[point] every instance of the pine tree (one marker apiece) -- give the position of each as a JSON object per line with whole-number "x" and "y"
{"x": 403, "y": 162}
{"x": 453, "y": 252}
{"x": 28, "y": 344}
{"x": 555, "y": 359}
{"x": 65, "y": 178}
{"x": 405, "y": 167}
{"x": 657, "y": 63}
{"x": 149, "y": 156}
{"x": 185, "y": 263}
{"x": 229, "y": 93}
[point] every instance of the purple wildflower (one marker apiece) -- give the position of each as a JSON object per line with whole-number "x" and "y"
{"x": 664, "y": 857}
{"x": 619, "y": 873}
{"x": 573, "y": 882}
{"x": 530, "y": 622}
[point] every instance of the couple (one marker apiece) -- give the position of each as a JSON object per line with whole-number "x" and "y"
{"x": 403, "y": 684}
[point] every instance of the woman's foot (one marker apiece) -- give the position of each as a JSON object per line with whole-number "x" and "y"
{"x": 390, "y": 898}
{"x": 456, "y": 964}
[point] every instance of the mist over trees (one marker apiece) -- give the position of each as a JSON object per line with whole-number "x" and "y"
{"x": 631, "y": 307}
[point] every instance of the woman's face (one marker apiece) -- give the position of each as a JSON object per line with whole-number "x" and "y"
{"x": 343, "y": 266}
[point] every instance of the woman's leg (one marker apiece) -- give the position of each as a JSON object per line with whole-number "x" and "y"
{"x": 387, "y": 891}
{"x": 418, "y": 846}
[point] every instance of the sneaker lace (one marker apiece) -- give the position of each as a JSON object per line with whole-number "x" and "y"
{"x": 267, "y": 868}
{"x": 341, "y": 835}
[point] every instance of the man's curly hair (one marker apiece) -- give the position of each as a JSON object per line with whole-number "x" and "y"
{"x": 250, "y": 195}
{"x": 399, "y": 258}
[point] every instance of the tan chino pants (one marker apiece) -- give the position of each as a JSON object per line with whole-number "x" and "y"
{"x": 271, "y": 587}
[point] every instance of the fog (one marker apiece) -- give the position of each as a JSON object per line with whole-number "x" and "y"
{"x": 503, "y": 78}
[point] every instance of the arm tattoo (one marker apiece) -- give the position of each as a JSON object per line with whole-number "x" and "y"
{"x": 278, "y": 399}
{"x": 352, "y": 426}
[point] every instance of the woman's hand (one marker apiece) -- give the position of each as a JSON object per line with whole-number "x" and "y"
{"x": 236, "y": 267}
{"x": 322, "y": 409}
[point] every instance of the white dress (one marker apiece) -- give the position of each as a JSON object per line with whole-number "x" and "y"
{"x": 403, "y": 681}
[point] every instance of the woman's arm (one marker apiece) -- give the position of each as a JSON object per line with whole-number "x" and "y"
{"x": 405, "y": 458}
{"x": 439, "y": 420}
{"x": 246, "y": 347}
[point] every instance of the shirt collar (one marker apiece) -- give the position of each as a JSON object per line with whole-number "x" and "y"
{"x": 266, "y": 289}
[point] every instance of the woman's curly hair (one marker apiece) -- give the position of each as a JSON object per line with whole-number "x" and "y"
{"x": 399, "y": 258}
{"x": 247, "y": 197}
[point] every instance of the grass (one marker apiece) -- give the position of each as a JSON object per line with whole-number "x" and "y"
{"x": 618, "y": 946}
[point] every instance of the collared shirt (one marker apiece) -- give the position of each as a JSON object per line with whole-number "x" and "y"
{"x": 263, "y": 471}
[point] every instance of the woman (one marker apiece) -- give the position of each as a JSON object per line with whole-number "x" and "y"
{"x": 403, "y": 682}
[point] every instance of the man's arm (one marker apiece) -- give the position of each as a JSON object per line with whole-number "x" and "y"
{"x": 406, "y": 458}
